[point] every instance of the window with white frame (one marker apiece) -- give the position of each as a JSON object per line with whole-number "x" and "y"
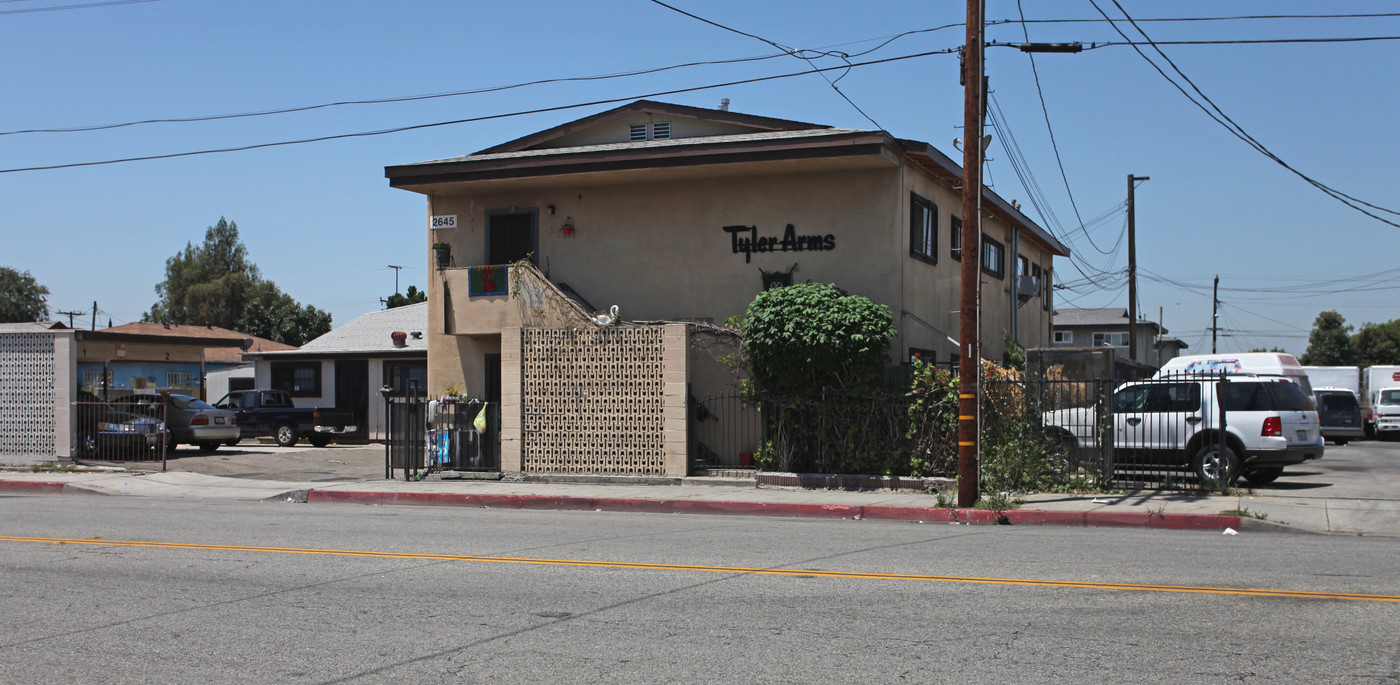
{"x": 923, "y": 229}
{"x": 1064, "y": 337}
{"x": 1110, "y": 340}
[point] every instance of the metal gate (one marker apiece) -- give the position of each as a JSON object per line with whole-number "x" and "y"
{"x": 724, "y": 432}
{"x": 426, "y": 436}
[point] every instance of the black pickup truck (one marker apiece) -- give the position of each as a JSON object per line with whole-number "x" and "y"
{"x": 270, "y": 412}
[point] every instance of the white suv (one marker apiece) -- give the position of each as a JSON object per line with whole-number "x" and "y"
{"x": 1175, "y": 423}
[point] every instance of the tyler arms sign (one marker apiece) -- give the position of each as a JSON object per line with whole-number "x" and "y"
{"x": 745, "y": 239}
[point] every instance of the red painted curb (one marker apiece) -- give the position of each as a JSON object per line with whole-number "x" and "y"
{"x": 667, "y": 506}
{"x": 32, "y": 486}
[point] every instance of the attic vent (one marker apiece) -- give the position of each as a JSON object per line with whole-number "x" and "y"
{"x": 637, "y": 132}
{"x": 661, "y": 130}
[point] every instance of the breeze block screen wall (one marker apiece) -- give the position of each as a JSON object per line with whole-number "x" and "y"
{"x": 28, "y": 425}
{"x": 608, "y": 400}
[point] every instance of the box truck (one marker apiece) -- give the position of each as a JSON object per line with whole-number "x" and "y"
{"x": 1380, "y": 400}
{"x": 1342, "y": 377}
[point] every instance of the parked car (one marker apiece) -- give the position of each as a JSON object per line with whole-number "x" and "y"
{"x": 1173, "y": 423}
{"x": 1339, "y": 413}
{"x": 271, "y": 412}
{"x": 190, "y": 420}
{"x": 106, "y": 431}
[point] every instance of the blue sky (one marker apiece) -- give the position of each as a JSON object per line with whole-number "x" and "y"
{"x": 320, "y": 220}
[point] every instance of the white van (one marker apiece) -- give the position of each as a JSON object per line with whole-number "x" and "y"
{"x": 1244, "y": 363}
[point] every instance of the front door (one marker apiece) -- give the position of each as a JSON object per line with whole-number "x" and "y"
{"x": 512, "y": 235}
{"x": 352, "y": 393}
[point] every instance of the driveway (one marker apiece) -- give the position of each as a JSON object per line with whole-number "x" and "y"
{"x": 302, "y": 463}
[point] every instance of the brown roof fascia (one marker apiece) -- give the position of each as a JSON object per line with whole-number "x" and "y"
{"x": 845, "y": 145}
{"x": 107, "y": 336}
{"x": 649, "y": 106}
{"x": 944, "y": 168}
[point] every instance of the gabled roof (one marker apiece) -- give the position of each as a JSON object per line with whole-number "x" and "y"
{"x": 719, "y": 137}
{"x": 369, "y": 335}
{"x": 756, "y": 123}
{"x": 220, "y": 349}
{"x": 1104, "y": 317}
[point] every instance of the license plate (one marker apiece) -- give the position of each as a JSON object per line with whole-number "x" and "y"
{"x": 218, "y": 420}
{"x": 1302, "y": 436}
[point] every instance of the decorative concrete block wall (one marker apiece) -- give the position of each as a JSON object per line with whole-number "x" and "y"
{"x": 607, "y": 400}
{"x": 29, "y": 422}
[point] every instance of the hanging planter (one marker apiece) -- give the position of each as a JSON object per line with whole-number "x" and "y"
{"x": 443, "y": 253}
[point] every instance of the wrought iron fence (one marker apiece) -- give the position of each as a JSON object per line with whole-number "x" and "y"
{"x": 105, "y": 433}
{"x": 1037, "y": 434}
{"x": 426, "y": 436}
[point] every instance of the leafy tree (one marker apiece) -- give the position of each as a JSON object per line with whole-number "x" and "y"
{"x": 275, "y": 315}
{"x": 1330, "y": 343}
{"x": 804, "y": 338}
{"x": 21, "y": 297}
{"x": 215, "y": 283}
{"x": 414, "y": 296}
{"x": 1378, "y": 343}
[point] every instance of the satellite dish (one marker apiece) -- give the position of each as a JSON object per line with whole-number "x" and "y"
{"x": 247, "y": 344}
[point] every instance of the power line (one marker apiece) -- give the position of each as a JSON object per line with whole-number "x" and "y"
{"x": 487, "y": 117}
{"x": 85, "y": 6}
{"x": 809, "y": 60}
{"x": 1219, "y": 116}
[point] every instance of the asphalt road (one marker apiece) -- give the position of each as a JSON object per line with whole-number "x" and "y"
{"x": 399, "y": 594}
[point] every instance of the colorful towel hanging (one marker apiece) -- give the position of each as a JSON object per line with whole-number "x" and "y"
{"x": 487, "y": 280}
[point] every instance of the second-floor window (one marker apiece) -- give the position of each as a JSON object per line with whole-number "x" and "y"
{"x": 955, "y": 238}
{"x": 1064, "y": 337}
{"x": 993, "y": 256}
{"x": 923, "y": 229}
{"x": 1110, "y": 340}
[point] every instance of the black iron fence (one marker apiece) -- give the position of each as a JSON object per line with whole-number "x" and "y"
{"x": 105, "y": 433}
{"x": 1039, "y": 434}
{"x": 429, "y": 436}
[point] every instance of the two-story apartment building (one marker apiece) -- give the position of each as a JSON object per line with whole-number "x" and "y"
{"x": 682, "y": 214}
{"x": 1107, "y": 327}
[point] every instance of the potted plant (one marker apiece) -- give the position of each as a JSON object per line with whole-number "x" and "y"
{"x": 443, "y": 252}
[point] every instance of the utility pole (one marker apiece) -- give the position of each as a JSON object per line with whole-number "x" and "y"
{"x": 1214, "y": 314}
{"x": 94, "y": 315}
{"x": 70, "y": 316}
{"x": 1132, "y": 269}
{"x": 969, "y": 352}
{"x": 396, "y": 277}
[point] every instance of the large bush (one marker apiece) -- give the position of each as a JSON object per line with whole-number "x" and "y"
{"x": 806, "y": 338}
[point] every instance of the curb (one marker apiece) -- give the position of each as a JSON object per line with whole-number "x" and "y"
{"x": 31, "y": 486}
{"x": 671, "y": 506}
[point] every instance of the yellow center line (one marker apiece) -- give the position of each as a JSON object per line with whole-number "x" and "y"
{"x": 1085, "y": 585}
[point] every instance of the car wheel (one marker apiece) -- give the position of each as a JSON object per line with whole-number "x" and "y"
{"x": 1217, "y": 464}
{"x": 231, "y": 443}
{"x": 170, "y": 444}
{"x": 319, "y": 441}
{"x": 1341, "y": 441}
{"x": 208, "y": 447}
{"x": 1263, "y": 476}
{"x": 286, "y": 434}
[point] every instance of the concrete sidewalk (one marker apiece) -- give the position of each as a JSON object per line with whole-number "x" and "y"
{"x": 715, "y": 496}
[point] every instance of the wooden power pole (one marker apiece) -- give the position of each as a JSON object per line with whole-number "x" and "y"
{"x": 969, "y": 344}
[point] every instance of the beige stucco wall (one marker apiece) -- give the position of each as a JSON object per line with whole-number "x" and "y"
{"x": 658, "y": 250}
